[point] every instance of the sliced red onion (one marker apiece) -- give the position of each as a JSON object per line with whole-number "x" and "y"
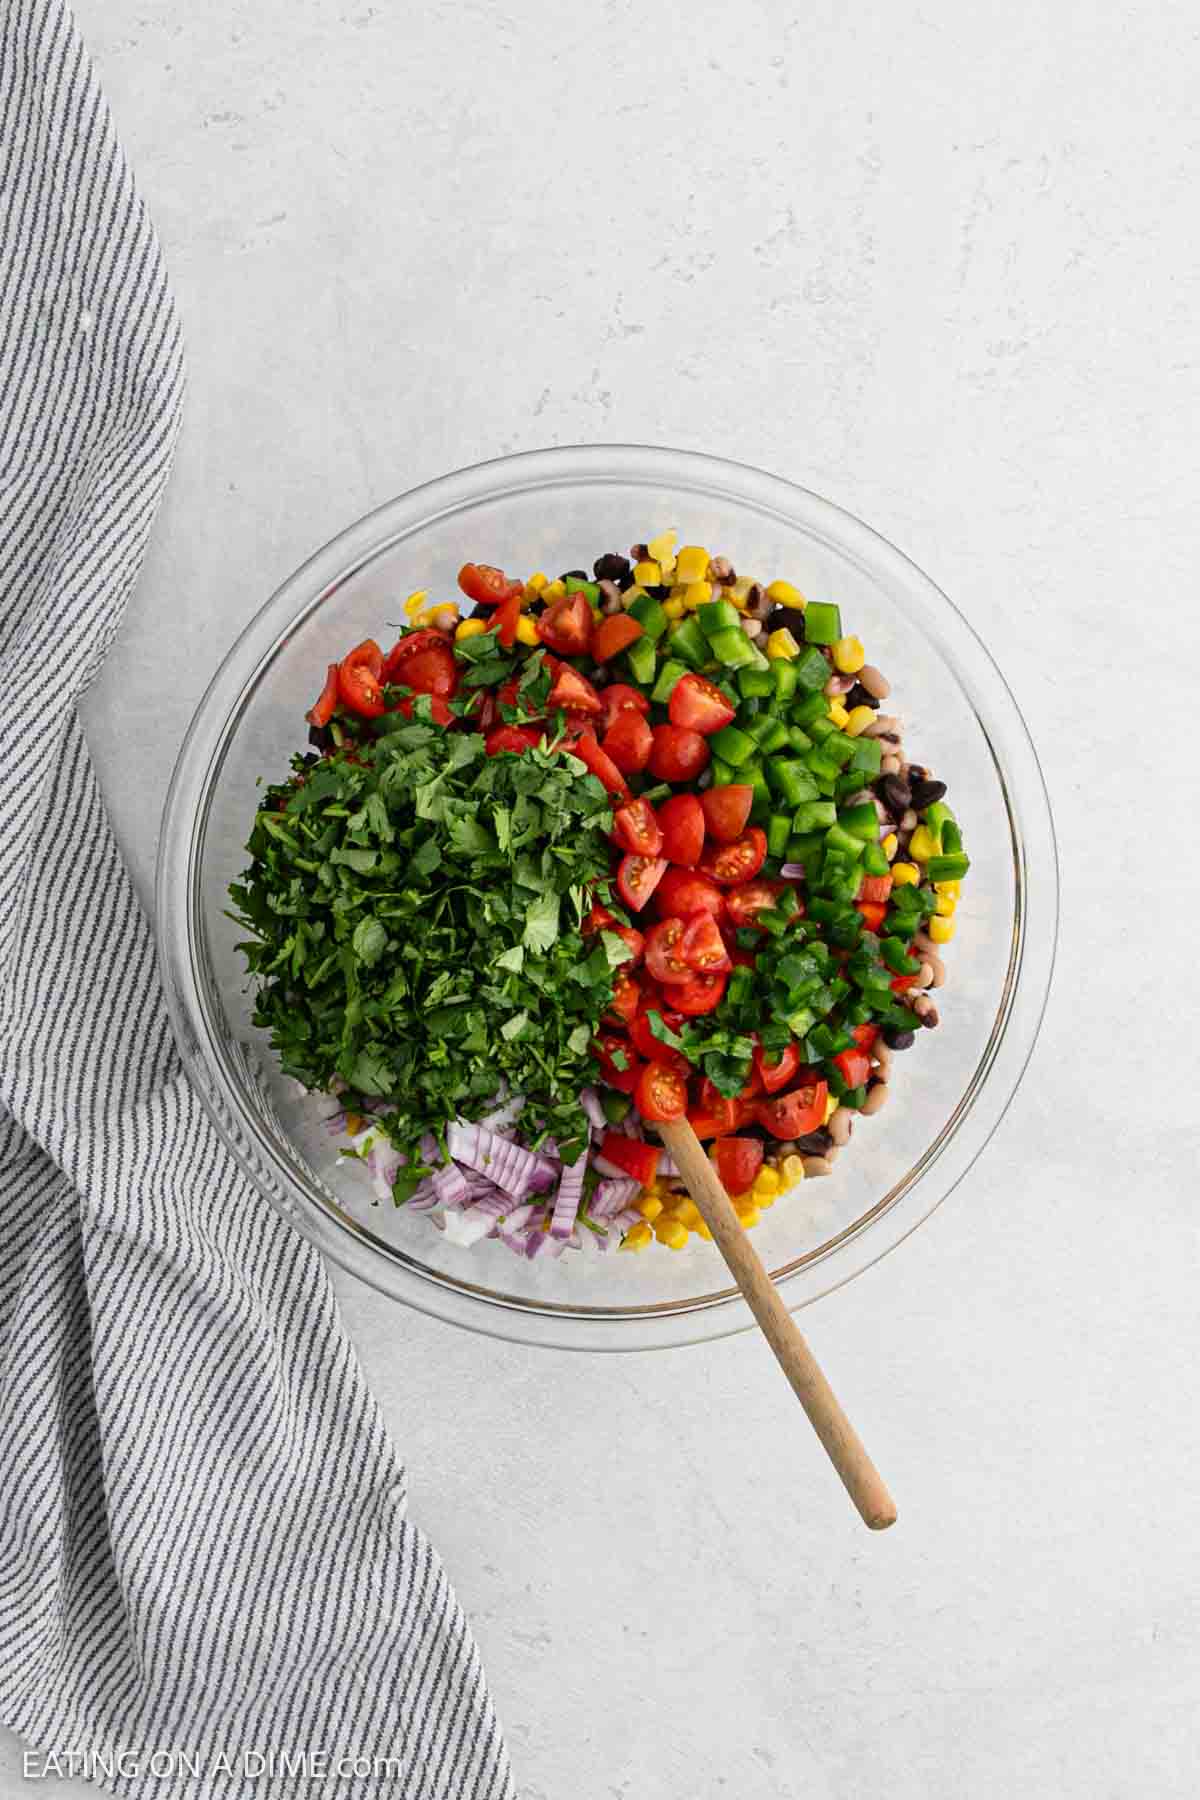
{"x": 589, "y": 1099}
{"x": 517, "y": 1170}
{"x": 613, "y": 1195}
{"x": 566, "y": 1202}
{"x": 450, "y": 1186}
{"x": 666, "y": 1163}
{"x": 423, "y": 1199}
{"x": 792, "y": 871}
{"x": 625, "y": 1221}
{"x": 602, "y": 1166}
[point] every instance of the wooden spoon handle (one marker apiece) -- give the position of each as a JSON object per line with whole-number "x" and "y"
{"x": 843, "y": 1446}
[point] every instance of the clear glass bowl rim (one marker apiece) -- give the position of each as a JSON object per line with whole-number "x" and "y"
{"x": 1030, "y": 968}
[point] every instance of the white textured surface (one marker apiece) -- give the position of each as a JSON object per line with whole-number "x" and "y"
{"x": 937, "y": 264}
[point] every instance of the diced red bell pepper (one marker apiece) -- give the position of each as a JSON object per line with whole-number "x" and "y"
{"x": 631, "y": 1156}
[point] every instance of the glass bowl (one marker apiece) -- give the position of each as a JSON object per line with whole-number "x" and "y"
{"x": 554, "y": 510}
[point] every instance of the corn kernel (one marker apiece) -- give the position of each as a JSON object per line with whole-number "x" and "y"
{"x": 940, "y": 930}
{"x": 831, "y": 1107}
{"x": 922, "y": 844}
{"x": 691, "y": 564}
{"x": 468, "y": 629}
{"x": 781, "y": 643}
{"x": 688, "y": 1213}
{"x": 674, "y": 607}
{"x": 736, "y": 600}
{"x": 784, "y": 594}
{"x": 858, "y": 720}
{"x": 527, "y": 631}
{"x": 354, "y": 1124}
{"x": 890, "y": 845}
{"x": 792, "y": 1170}
{"x": 838, "y": 714}
{"x": 703, "y": 1231}
{"x": 697, "y": 593}
{"x": 944, "y": 906}
{"x": 905, "y": 874}
{"x": 766, "y": 1199}
{"x": 766, "y": 1182}
{"x": 954, "y": 888}
{"x": 637, "y": 1238}
{"x": 415, "y": 603}
{"x": 746, "y": 1198}
{"x": 671, "y": 1232}
{"x": 648, "y": 573}
{"x": 650, "y": 1206}
{"x": 739, "y": 590}
{"x": 445, "y": 617}
{"x": 662, "y": 548}
{"x": 538, "y": 582}
{"x": 748, "y": 1214}
{"x": 554, "y": 590}
{"x": 848, "y": 655}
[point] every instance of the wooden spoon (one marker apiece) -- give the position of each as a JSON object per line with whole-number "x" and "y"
{"x": 860, "y": 1477}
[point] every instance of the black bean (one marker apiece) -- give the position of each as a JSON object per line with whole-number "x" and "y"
{"x": 610, "y": 567}
{"x": 894, "y": 791}
{"x": 310, "y": 759}
{"x": 924, "y": 793}
{"x": 482, "y": 612}
{"x": 898, "y": 1040}
{"x": 576, "y": 574}
{"x": 858, "y": 696}
{"x": 320, "y": 737}
{"x": 814, "y": 1143}
{"x": 787, "y": 618}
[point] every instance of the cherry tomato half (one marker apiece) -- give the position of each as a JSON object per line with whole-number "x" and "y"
{"x": 873, "y": 913}
{"x": 664, "y": 953}
{"x": 702, "y": 947}
{"x": 636, "y": 828}
{"x": 407, "y": 646}
{"x": 738, "y": 1161}
{"x": 619, "y": 697}
{"x": 698, "y": 995}
{"x": 855, "y": 1067}
{"x": 776, "y": 1069}
{"x": 750, "y": 898}
{"x": 677, "y": 755}
{"x": 598, "y": 764}
{"x": 430, "y": 671}
{"x": 358, "y": 680}
{"x": 613, "y": 635}
{"x": 626, "y": 999}
{"x": 681, "y": 819}
{"x": 572, "y": 692}
{"x": 698, "y": 705}
{"x": 619, "y": 1066}
{"x": 628, "y": 741}
{"x": 661, "y": 1093}
{"x": 739, "y": 861}
{"x": 321, "y": 710}
{"x": 439, "y": 712}
{"x": 566, "y": 626}
{"x": 485, "y": 585}
{"x": 516, "y": 738}
{"x": 637, "y": 878}
{"x": 632, "y": 939}
{"x": 652, "y": 1048}
{"x": 681, "y": 893}
{"x": 794, "y": 1114}
{"x": 726, "y": 810}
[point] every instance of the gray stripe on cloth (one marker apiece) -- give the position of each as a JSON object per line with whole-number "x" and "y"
{"x": 204, "y": 1544}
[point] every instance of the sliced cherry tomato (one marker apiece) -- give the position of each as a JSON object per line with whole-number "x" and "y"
{"x": 637, "y": 878}
{"x": 652, "y": 1048}
{"x": 698, "y": 705}
{"x": 739, "y": 861}
{"x": 607, "y": 1049}
{"x": 738, "y": 1161}
{"x": 321, "y": 710}
{"x": 601, "y": 766}
{"x": 566, "y": 626}
{"x": 661, "y": 1093}
{"x": 714, "y": 1122}
{"x": 619, "y": 697}
{"x": 508, "y": 617}
{"x": 855, "y": 1067}
{"x": 613, "y": 635}
{"x": 572, "y": 692}
{"x": 865, "y": 1036}
{"x": 681, "y": 893}
{"x": 746, "y": 901}
{"x": 358, "y": 680}
{"x": 439, "y": 711}
{"x": 776, "y": 1069}
{"x": 407, "y": 646}
{"x": 873, "y": 913}
{"x": 681, "y": 819}
{"x": 636, "y": 828}
{"x": 627, "y": 998}
{"x": 702, "y": 947}
{"x": 664, "y": 953}
{"x": 631, "y": 937}
{"x": 797, "y": 1112}
{"x": 875, "y": 887}
{"x": 677, "y": 755}
{"x": 726, "y": 810}
{"x": 599, "y": 919}
{"x": 900, "y": 984}
{"x": 512, "y": 737}
{"x": 629, "y": 741}
{"x": 699, "y": 995}
{"x": 485, "y": 585}
{"x": 631, "y": 1155}
{"x": 429, "y": 671}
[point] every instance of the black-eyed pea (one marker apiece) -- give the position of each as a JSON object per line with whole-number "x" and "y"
{"x": 876, "y": 1098}
{"x": 840, "y": 1125}
{"x": 876, "y": 684}
{"x": 817, "y": 1165}
{"x": 889, "y": 764}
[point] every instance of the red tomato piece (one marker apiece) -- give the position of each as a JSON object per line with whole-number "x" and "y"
{"x": 321, "y": 710}
{"x": 626, "y": 999}
{"x": 699, "y": 705}
{"x": 512, "y": 737}
{"x": 681, "y": 819}
{"x": 664, "y": 953}
{"x": 900, "y": 984}
{"x": 746, "y": 901}
{"x": 776, "y": 1069}
{"x": 652, "y": 1048}
{"x": 797, "y": 1112}
{"x": 738, "y": 1161}
{"x": 571, "y": 691}
{"x": 407, "y": 646}
{"x": 567, "y": 625}
{"x": 677, "y": 755}
{"x": 698, "y": 995}
{"x": 429, "y": 671}
{"x": 598, "y": 764}
{"x": 702, "y": 947}
{"x": 358, "y": 680}
{"x": 628, "y": 741}
{"x": 631, "y": 1155}
{"x": 681, "y": 893}
{"x": 508, "y": 617}
{"x": 661, "y": 1093}
{"x": 613, "y": 635}
{"x": 485, "y": 585}
{"x": 873, "y": 913}
{"x": 736, "y": 862}
{"x": 599, "y": 919}
{"x": 633, "y": 939}
{"x": 439, "y": 711}
{"x": 715, "y": 1122}
{"x": 726, "y": 810}
{"x": 636, "y": 828}
{"x": 875, "y": 887}
{"x": 619, "y": 697}
{"x": 611, "y": 1052}
{"x": 855, "y": 1067}
{"x": 637, "y": 878}
{"x": 865, "y": 1035}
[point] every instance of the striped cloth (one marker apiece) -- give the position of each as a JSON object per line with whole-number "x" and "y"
{"x": 203, "y": 1540}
